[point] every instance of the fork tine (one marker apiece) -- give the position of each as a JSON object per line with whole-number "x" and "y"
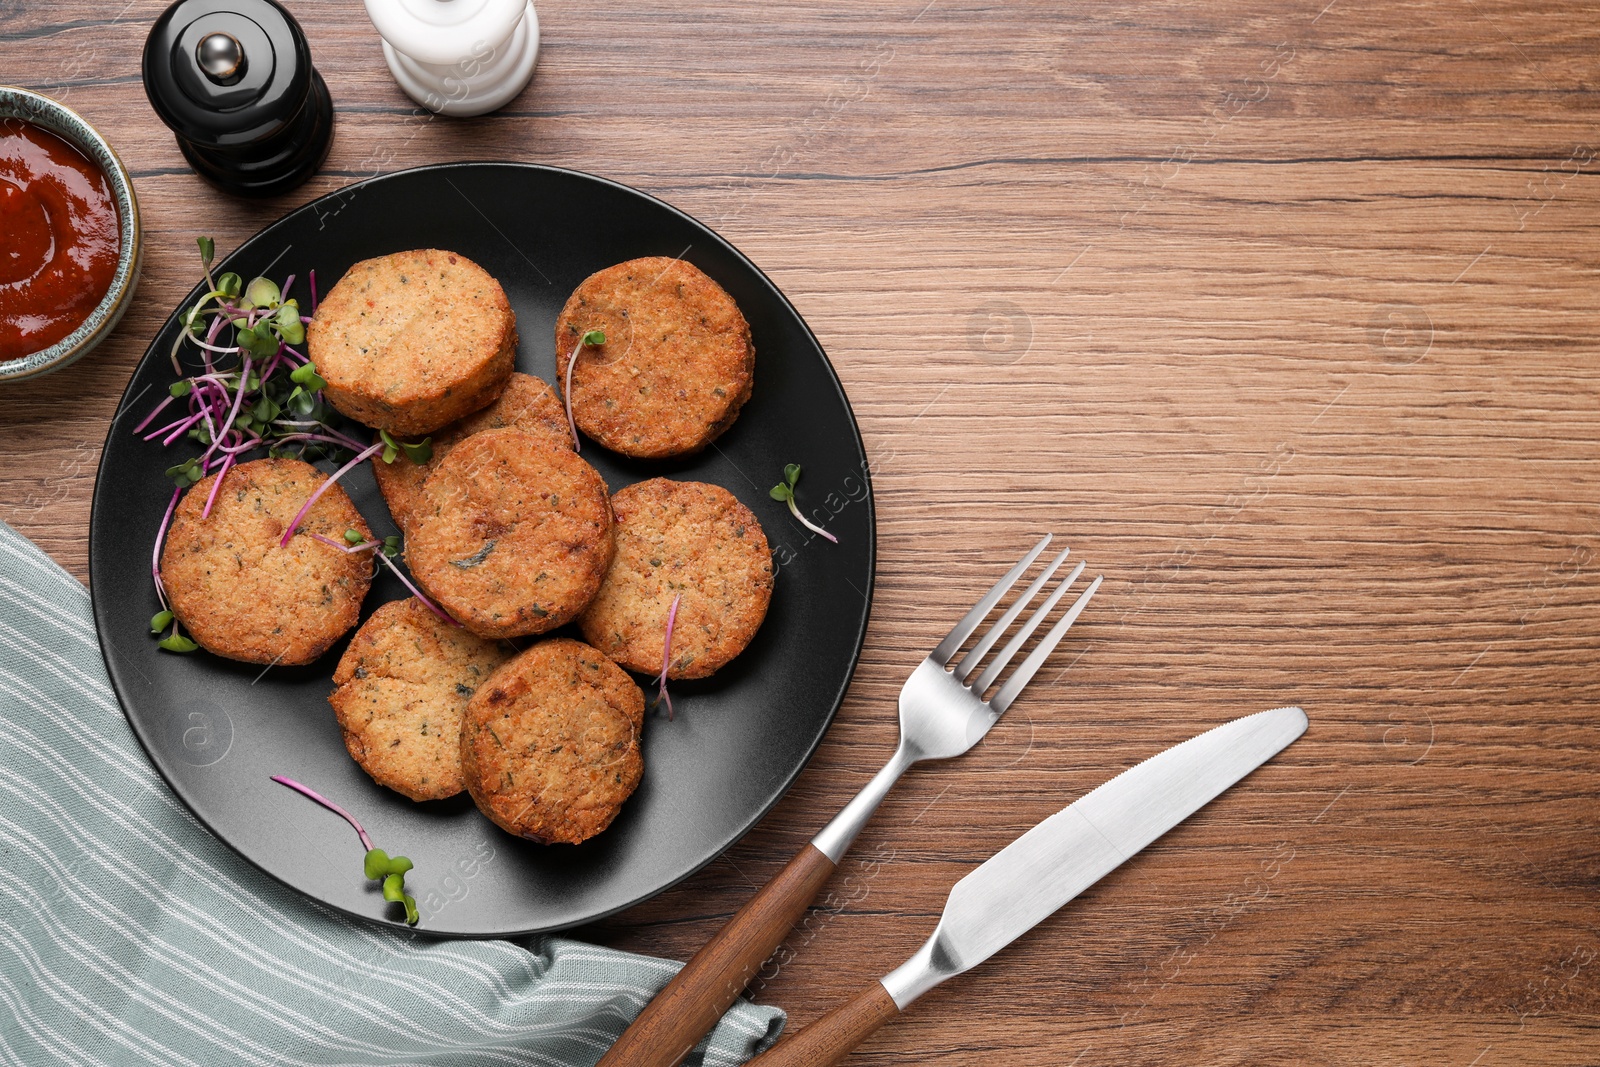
{"x": 998, "y": 664}
{"x": 970, "y": 661}
{"x": 1030, "y": 666}
{"x": 969, "y": 622}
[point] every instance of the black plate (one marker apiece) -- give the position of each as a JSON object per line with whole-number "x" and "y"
{"x": 216, "y": 730}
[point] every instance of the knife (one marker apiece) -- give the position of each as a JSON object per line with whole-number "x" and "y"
{"x": 1028, "y": 880}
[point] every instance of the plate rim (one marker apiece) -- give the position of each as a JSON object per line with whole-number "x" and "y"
{"x": 114, "y": 673}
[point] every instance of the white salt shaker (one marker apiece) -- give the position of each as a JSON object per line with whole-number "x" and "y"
{"x": 458, "y": 57}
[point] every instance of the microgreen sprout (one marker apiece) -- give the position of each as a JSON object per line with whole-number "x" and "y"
{"x": 784, "y": 491}
{"x": 175, "y": 641}
{"x": 418, "y": 452}
{"x": 186, "y": 473}
{"x": 377, "y": 865}
{"x": 666, "y": 657}
{"x": 362, "y": 457}
{"x": 591, "y": 337}
{"x": 246, "y": 389}
{"x": 388, "y": 548}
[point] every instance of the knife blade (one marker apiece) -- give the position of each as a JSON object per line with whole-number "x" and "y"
{"x": 1031, "y": 878}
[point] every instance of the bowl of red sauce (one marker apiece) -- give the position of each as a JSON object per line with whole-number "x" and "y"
{"x": 70, "y": 243}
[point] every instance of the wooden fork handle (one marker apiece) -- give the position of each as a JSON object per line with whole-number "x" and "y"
{"x": 830, "y": 1039}
{"x": 690, "y": 1005}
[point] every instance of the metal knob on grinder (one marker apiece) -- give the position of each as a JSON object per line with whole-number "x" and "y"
{"x": 233, "y": 80}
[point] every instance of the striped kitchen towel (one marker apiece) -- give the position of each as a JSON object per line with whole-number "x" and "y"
{"x": 130, "y": 935}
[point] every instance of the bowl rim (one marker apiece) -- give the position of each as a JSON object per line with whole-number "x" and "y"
{"x": 72, "y": 127}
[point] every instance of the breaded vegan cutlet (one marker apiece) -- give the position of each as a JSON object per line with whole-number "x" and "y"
{"x": 513, "y": 535}
{"x": 528, "y": 404}
{"x": 550, "y": 746}
{"x": 689, "y": 541}
{"x": 240, "y": 595}
{"x": 676, "y": 365}
{"x": 401, "y": 688}
{"x": 413, "y": 341}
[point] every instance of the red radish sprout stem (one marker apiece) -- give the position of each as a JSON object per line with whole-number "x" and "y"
{"x": 430, "y": 605}
{"x": 233, "y": 413}
{"x": 313, "y": 293}
{"x": 155, "y": 555}
{"x": 211, "y": 497}
{"x": 323, "y": 488}
{"x": 807, "y": 523}
{"x": 181, "y": 429}
{"x": 398, "y": 573}
{"x": 330, "y": 805}
{"x": 180, "y": 426}
{"x": 148, "y": 419}
{"x": 566, "y": 392}
{"x": 666, "y": 657}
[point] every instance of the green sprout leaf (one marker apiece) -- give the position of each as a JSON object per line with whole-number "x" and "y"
{"x": 176, "y": 642}
{"x": 288, "y": 324}
{"x": 391, "y": 545}
{"x": 230, "y": 284}
{"x": 353, "y": 536}
{"x": 376, "y": 864}
{"x": 394, "y": 888}
{"x": 186, "y": 473}
{"x": 419, "y": 452}
{"x": 595, "y": 337}
{"x": 160, "y": 621}
{"x": 301, "y": 402}
{"x": 208, "y": 249}
{"x": 412, "y": 915}
{"x": 260, "y": 342}
{"x": 399, "y": 865}
{"x": 194, "y": 319}
{"x": 265, "y": 410}
{"x": 307, "y": 377}
{"x": 781, "y": 492}
{"x": 791, "y": 474}
{"x": 260, "y": 293}
{"x": 180, "y": 388}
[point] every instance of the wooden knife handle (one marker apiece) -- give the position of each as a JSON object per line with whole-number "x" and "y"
{"x": 831, "y": 1038}
{"x": 690, "y": 1005}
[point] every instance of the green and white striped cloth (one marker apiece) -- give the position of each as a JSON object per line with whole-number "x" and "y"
{"x": 129, "y": 935}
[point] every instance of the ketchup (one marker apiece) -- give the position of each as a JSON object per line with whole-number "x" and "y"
{"x": 59, "y": 238}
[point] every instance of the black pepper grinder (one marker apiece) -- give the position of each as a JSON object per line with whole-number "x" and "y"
{"x": 233, "y": 80}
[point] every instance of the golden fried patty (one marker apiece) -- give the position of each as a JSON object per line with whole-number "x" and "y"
{"x": 237, "y": 592}
{"x": 401, "y": 688}
{"x": 677, "y": 364}
{"x": 412, "y": 341}
{"x": 691, "y": 541}
{"x": 513, "y": 535}
{"x": 550, "y": 746}
{"x": 528, "y": 403}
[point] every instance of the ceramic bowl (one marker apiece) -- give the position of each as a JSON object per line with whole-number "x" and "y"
{"x": 61, "y": 120}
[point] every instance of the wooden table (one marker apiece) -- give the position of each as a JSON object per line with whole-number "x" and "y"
{"x": 1283, "y": 314}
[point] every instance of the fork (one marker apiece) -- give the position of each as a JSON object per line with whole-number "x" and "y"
{"x": 942, "y": 715}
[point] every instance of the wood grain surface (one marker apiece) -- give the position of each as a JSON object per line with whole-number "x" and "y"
{"x": 1283, "y": 315}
